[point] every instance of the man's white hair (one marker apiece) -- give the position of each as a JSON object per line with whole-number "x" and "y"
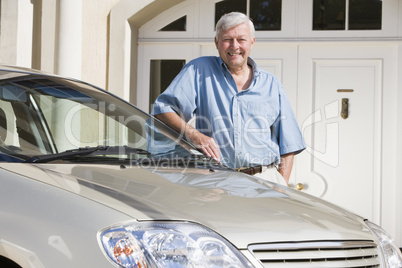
{"x": 231, "y": 20}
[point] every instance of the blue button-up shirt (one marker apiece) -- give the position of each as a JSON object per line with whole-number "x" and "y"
{"x": 252, "y": 127}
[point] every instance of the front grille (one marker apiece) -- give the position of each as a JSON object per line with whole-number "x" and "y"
{"x": 362, "y": 254}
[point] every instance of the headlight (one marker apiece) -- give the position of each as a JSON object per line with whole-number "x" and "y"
{"x": 392, "y": 254}
{"x": 169, "y": 244}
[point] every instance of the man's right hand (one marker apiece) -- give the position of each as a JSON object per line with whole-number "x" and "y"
{"x": 207, "y": 144}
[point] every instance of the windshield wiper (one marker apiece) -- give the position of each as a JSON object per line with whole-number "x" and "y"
{"x": 98, "y": 150}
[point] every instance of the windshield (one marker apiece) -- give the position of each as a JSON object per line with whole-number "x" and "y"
{"x": 44, "y": 115}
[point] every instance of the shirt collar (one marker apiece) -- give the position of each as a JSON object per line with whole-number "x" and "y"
{"x": 253, "y": 65}
{"x": 250, "y": 61}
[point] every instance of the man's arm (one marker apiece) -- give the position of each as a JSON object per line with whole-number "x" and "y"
{"x": 205, "y": 143}
{"x": 285, "y": 167}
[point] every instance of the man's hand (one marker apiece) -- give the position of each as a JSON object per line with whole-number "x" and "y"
{"x": 205, "y": 143}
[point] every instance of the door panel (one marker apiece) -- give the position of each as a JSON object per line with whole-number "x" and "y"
{"x": 343, "y": 155}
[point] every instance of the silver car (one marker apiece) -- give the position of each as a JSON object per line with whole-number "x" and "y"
{"x": 89, "y": 180}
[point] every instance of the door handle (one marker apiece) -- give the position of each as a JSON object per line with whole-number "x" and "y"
{"x": 299, "y": 186}
{"x": 345, "y": 108}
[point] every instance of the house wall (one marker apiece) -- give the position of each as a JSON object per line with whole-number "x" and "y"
{"x": 66, "y": 37}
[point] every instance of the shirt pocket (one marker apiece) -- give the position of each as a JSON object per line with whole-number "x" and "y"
{"x": 257, "y": 127}
{"x": 260, "y": 114}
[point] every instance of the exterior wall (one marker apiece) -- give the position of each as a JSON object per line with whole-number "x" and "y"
{"x": 66, "y": 37}
{"x": 399, "y": 143}
{"x": 98, "y": 41}
{"x": 95, "y": 40}
{"x": 16, "y": 41}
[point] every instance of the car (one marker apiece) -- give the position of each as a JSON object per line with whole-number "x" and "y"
{"x": 89, "y": 180}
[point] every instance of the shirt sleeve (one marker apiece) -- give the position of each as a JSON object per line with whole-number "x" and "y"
{"x": 286, "y": 128}
{"x": 180, "y": 96}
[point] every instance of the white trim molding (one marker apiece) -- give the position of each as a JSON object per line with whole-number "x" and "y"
{"x": 125, "y": 19}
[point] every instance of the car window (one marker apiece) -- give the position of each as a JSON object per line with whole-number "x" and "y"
{"x": 20, "y": 132}
{"x": 7, "y": 124}
{"x": 42, "y": 115}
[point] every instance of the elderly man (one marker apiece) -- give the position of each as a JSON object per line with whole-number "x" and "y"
{"x": 243, "y": 117}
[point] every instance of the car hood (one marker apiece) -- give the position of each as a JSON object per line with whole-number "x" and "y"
{"x": 242, "y": 208}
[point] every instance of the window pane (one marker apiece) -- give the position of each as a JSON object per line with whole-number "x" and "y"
{"x": 365, "y": 14}
{"x": 329, "y": 15}
{"x": 176, "y": 26}
{"x": 162, "y": 74}
{"x": 227, "y": 6}
{"x": 266, "y": 14}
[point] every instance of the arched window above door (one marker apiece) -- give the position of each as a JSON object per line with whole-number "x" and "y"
{"x": 174, "y": 23}
{"x": 178, "y": 25}
{"x": 265, "y": 14}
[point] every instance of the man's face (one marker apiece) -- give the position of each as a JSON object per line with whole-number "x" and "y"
{"x": 234, "y": 46}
